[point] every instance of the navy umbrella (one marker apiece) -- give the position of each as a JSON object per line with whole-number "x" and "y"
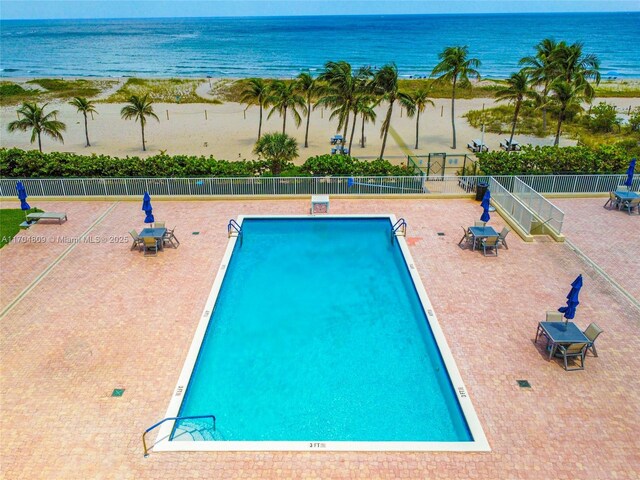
{"x": 572, "y": 299}
{"x": 22, "y": 196}
{"x": 147, "y": 208}
{"x": 632, "y": 166}
{"x": 485, "y": 206}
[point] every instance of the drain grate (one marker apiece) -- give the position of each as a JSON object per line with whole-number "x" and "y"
{"x": 523, "y": 383}
{"x": 441, "y": 234}
{"x": 117, "y": 392}
{"x": 195, "y": 233}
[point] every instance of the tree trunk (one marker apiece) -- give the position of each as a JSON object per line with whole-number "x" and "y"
{"x": 260, "y": 124}
{"x": 544, "y": 109}
{"x": 353, "y": 130}
{"x": 284, "y": 121}
{"x": 417, "y": 126}
{"x": 346, "y": 124}
{"x": 86, "y": 129}
{"x": 39, "y": 143}
{"x": 560, "y": 118}
{"x": 362, "y": 135}
{"x": 515, "y": 119}
{"x": 144, "y": 148}
{"x": 386, "y": 130}
{"x": 453, "y": 112}
{"x": 306, "y": 133}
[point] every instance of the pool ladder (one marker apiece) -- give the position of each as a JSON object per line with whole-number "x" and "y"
{"x": 234, "y": 229}
{"x": 399, "y": 229}
{"x": 144, "y": 435}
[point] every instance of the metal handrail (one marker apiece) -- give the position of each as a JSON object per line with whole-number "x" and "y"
{"x": 144, "y": 440}
{"x": 233, "y": 225}
{"x": 399, "y": 228}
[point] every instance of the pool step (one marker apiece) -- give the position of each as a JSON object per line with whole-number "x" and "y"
{"x": 196, "y": 431}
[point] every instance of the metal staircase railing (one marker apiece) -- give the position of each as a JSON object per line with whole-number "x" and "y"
{"x": 233, "y": 229}
{"x": 399, "y": 229}
{"x": 144, "y": 435}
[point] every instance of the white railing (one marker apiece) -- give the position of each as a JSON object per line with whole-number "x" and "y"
{"x": 577, "y": 183}
{"x": 75, "y": 187}
{"x": 550, "y": 215}
{"x": 513, "y": 207}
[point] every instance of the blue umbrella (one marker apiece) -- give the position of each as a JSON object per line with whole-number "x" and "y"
{"x": 632, "y": 167}
{"x": 485, "y": 205}
{"x": 147, "y": 208}
{"x": 22, "y": 196}
{"x": 572, "y": 299}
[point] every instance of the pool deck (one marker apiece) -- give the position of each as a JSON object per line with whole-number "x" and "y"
{"x": 81, "y": 319}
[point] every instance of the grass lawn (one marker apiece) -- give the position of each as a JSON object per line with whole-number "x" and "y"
{"x": 10, "y": 220}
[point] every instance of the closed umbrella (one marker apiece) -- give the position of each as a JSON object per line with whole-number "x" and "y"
{"x": 632, "y": 166}
{"x": 485, "y": 204}
{"x": 147, "y": 208}
{"x": 572, "y": 299}
{"x": 22, "y": 196}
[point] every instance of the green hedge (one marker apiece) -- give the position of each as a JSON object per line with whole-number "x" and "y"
{"x": 554, "y": 160}
{"x": 33, "y": 164}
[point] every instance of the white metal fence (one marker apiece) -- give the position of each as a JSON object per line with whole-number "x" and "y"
{"x": 517, "y": 210}
{"x": 577, "y": 183}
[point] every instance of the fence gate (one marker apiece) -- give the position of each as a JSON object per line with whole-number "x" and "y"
{"x": 441, "y": 164}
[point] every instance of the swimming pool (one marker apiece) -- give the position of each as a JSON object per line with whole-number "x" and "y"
{"x": 318, "y": 334}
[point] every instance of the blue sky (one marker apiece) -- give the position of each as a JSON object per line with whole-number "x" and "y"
{"x": 27, "y": 9}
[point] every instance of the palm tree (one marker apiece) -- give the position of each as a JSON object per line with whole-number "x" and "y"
{"x": 284, "y": 97}
{"x": 339, "y": 92}
{"x": 415, "y": 105}
{"x": 517, "y": 88}
{"x": 307, "y": 85}
{"x": 278, "y": 149}
{"x": 34, "y": 118}
{"x": 385, "y": 84}
{"x": 84, "y": 106}
{"x": 564, "y": 95}
{"x": 576, "y": 67}
{"x": 456, "y": 68}
{"x": 367, "y": 111}
{"x": 543, "y": 70}
{"x": 139, "y": 109}
{"x": 256, "y": 92}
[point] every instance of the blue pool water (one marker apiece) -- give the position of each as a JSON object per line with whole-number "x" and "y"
{"x": 318, "y": 334}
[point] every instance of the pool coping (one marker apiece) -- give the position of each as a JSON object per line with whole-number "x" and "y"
{"x": 478, "y": 444}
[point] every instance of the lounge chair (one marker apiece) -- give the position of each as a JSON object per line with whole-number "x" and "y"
{"x": 573, "y": 350}
{"x": 479, "y": 223}
{"x": 592, "y": 333}
{"x": 150, "y": 245}
{"x": 612, "y": 202}
{"x": 630, "y": 205}
{"x": 137, "y": 241}
{"x": 36, "y": 217}
{"x": 170, "y": 237}
{"x": 502, "y": 237}
{"x": 490, "y": 243}
{"x": 467, "y": 237}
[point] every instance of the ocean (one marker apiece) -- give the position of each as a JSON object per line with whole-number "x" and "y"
{"x": 285, "y": 46}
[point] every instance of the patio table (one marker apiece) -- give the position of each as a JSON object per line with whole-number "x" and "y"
{"x": 622, "y": 195}
{"x": 479, "y": 233}
{"x": 157, "y": 233}
{"x": 560, "y": 333}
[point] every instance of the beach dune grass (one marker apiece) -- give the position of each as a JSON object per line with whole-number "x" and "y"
{"x": 48, "y": 89}
{"x": 166, "y": 90}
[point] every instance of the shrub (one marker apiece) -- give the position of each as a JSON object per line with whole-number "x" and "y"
{"x": 603, "y": 118}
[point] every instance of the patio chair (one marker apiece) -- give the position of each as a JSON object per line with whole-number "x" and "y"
{"x": 612, "y": 202}
{"x": 502, "y": 237}
{"x": 479, "y": 223}
{"x": 555, "y": 316}
{"x": 490, "y": 243}
{"x": 592, "y": 333}
{"x": 467, "y": 237}
{"x": 159, "y": 224}
{"x": 137, "y": 241}
{"x": 573, "y": 350}
{"x": 630, "y": 205}
{"x": 150, "y": 245}
{"x": 170, "y": 237}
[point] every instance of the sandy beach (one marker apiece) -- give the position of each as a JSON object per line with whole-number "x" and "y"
{"x": 229, "y": 132}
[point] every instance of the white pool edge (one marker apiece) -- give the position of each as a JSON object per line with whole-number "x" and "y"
{"x": 478, "y": 444}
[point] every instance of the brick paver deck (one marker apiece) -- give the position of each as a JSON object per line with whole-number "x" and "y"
{"x": 105, "y": 317}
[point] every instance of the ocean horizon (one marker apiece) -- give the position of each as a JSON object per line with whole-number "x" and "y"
{"x": 237, "y": 47}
